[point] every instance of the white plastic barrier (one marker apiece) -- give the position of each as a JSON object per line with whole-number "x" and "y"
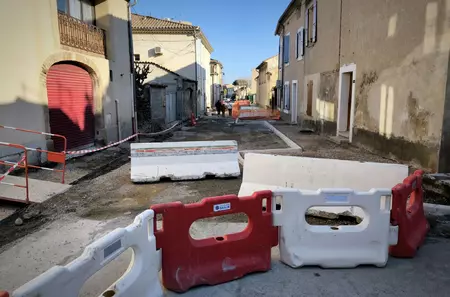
{"x": 270, "y": 172}
{"x": 141, "y": 278}
{"x": 184, "y": 160}
{"x": 302, "y": 244}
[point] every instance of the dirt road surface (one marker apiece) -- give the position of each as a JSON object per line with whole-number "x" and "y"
{"x": 56, "y": 231}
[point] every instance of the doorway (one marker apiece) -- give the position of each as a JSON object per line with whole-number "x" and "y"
{"x": 294, "y": 102}
{"x": 309, "y": 98}
{"x": 346, "y": 101}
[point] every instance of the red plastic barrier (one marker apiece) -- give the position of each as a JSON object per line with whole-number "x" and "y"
{"x": 187, "y": 262}
{"x": 4, "y": 294}
{"x": 409, "y": 216}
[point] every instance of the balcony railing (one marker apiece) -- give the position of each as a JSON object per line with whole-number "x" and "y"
{"x": 77, "y": 34}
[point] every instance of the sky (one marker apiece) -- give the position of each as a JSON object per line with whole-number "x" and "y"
{"x": 240, "y": 31}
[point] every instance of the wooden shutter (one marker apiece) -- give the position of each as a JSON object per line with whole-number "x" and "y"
{"x": 302, "y": 42}
{"x": 306, "y": 26}
{"x": 314, "y": 28}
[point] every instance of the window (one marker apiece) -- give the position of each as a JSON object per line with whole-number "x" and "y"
{"x": 311, "y": 24}
{"x": 137, "y": 57}
{"x": 300, "y": 44}
{"x": 286, "y": 45}
{"x": 83, "y": 10}
{"x": 287, "y": 97}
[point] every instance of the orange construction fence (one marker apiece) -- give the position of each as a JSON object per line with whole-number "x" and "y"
{"x": 22, "y": 163}
{"x": 55, "y": 157}
{"x": 244, "y": 112}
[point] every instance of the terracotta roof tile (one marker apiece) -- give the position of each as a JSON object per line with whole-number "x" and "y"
{"x": 151, "y": 23}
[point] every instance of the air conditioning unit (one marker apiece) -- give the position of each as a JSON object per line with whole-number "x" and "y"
{"x": 158, "y": 51}
{"x": 279, "y": 84}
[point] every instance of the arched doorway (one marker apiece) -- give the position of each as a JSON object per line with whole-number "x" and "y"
{"x": 71, "y": 105}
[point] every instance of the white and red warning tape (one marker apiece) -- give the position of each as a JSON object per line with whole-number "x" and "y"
{"x": 121, "y": 141}
{"x": 2, "y": 177}
{"x": 100, "y": 148}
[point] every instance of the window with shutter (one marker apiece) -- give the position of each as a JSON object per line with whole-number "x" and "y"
{"x": 306, "y": 26}
{"x": 287, "y": 99}
{"x": 314, "y": 25}
{"x": 311, "y": 24}
{"x": 286, "y": 46}
{"x": 302, "y": 42}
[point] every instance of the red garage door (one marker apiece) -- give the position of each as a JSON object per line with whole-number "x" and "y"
{"x": 70, "y": 103}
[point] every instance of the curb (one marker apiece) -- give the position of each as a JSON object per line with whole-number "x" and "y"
{"x": 286, "y": 139}
{"x": 436, "y": 209}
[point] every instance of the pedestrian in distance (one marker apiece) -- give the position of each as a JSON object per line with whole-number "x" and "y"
{"x": 218, "y": 106}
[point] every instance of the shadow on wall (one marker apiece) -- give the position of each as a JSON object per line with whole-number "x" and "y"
{"x": 400, "y": 111}
{"x": 185, "y": 91}
{"x": 85, "y": 112}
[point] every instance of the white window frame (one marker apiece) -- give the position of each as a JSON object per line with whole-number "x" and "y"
{"x": 294, "y": 101}
{"x": 288, "y": 49}
{"x": 287, "y": 83}
{"x": 311, "y": 40}
{"x": 300, "y": 54}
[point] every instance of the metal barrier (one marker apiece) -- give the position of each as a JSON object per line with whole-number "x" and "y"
{"x": 22, "y": 163}
{"x": 55, "y": 157}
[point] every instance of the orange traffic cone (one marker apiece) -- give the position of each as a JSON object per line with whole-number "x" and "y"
{"x": 193, "y": 121}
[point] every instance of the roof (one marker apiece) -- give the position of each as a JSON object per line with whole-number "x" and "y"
{"x": 214, "y": 61}
{"x": 294, "y": 4}
{"x": 263, "y": 63}
{"x": 151, "y": 23}
{"x": 147, "y": 24}
{"x": 166, "y": 69}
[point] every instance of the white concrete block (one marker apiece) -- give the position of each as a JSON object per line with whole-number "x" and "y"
{"x": 184, "y": 160}
{"x": 270, "y": 172}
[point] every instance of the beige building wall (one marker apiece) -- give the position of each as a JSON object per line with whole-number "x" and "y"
{"x": 401, "y": 51}
{"x": 267, "y": 79}
{"x": 398, "y": 51}
{"x": 216, "y": 83}
{"x": 205, "y": 60}
{"x": 25, "y": 64}
{"x": 321, "y": 64}
{"x": 178, "y": 51}
{"x": 254, "y": 82}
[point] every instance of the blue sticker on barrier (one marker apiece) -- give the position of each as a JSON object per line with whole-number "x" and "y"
{"x": 336, "y": 198}
{"x": 222, "y": 207}
{"x": 112, "y": 248}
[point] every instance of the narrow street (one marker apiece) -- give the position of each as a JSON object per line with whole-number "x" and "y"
{"x": 62, "y": 226}
{"x": 234, "y": 148}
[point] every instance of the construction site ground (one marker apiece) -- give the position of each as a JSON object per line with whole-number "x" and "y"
{"x": 102, "y": 198}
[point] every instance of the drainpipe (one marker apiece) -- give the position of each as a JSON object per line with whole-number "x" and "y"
{"x": 119, "y": 129}
{"x": 132, "y": 75}
{"x": 282, "y": 69}
{"x": 196, "y": 71}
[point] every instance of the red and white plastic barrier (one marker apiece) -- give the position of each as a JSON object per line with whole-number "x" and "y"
{"x": 141, "y": 278}
{"x": 409, "y": 216}
{"x": 187, "y": 262}
{"x": 302, "y": 244}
